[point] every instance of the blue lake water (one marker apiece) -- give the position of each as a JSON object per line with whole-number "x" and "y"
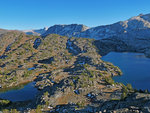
{"x": 32, "y": 68}
{"x": 22, "y": 93}
{"x": 135, "y": 68}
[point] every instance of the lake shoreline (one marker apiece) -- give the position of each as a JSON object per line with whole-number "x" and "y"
{"x": 133, "y": 65}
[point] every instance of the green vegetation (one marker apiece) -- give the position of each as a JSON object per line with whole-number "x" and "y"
{"x": 126, "y": 90}
{"x": 109, "y": 80}
{"x": 38, "y": 109}
{"x": 129, "y": 87}
{"x": 27, "y": 73}
{"x": 4, "y": 102}
{"x": 46, "y": 94}
{"x": 10, "y": 111}
{"x": 80, "y": 104}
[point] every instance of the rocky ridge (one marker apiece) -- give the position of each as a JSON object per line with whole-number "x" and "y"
{"x": 137, "y": 26}
{"x": 69, "y": 74}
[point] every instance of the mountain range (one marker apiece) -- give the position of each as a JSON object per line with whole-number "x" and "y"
{"x": 133, "y": 33}
{"x": 138, "y": 25}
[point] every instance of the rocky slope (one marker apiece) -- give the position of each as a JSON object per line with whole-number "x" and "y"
{"x": 3, "y": 31}
{"x": 69, "y": 74}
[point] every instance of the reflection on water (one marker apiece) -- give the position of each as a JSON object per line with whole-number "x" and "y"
{"x": 135, "y": 68}
{"x": 21, "y": 93}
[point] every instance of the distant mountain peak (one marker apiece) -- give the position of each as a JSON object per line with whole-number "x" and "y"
{"x": 45, "y": 28}
{"x": 37, "y": 32}
{"x": 66, "y": 29}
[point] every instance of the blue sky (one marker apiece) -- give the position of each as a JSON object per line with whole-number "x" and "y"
{"x": 34, "y": 14}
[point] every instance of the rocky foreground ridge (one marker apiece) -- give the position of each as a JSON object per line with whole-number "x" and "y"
{"x": 69, "y": 73}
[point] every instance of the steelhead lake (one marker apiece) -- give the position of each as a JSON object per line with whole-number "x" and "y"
{"x": 135, "y": 68}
